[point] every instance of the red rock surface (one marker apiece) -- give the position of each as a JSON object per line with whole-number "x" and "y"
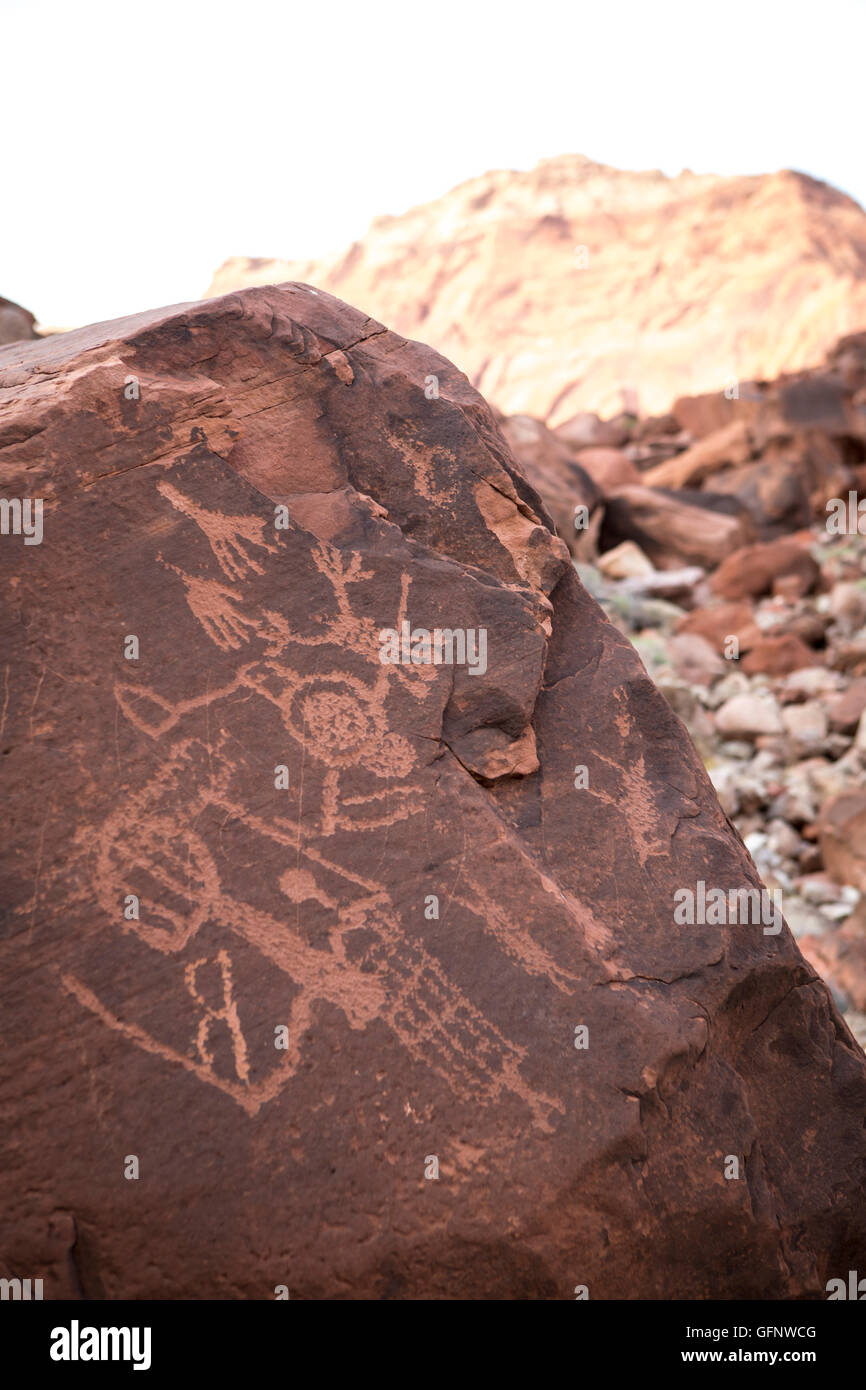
{"x": 721, "y": 623}
{"x": 846, "y": 710}
{"x": 778, "y": 655}
{"x": 842, "y": 956}
{"x": 558, "y": 288}
{"x": 610, "y": 469}
{"x": 842, "y": 835}
{"x": 409, "y": 1037}
{"x": 570, "y": 493}
{"x": 755, "y": 569}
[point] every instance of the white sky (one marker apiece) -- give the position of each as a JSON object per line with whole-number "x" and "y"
{"x": 143, "y": 143}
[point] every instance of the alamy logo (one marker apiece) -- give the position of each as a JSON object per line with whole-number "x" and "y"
{"x": 855, "y": 1289}
{"x": 22, "y": 516}
{"x": 441, "y": 646}
{"x": 716, "y": 907}
{"x": 21, "y": 1289}
{"x": 76, "y": 1343}
{"x": 846, "y": 518}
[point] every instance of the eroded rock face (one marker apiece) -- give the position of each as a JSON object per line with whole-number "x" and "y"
{"x": 567, "y": 488}
{"x": 470, "y": 864}
{"x": 519, "y": 278}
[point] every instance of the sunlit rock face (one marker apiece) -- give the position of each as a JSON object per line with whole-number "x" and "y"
{"x": 575, "y": 286}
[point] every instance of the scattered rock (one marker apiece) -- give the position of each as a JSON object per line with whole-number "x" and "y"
{"x": 777, "y": 656}
{"x": 729, "y": 445}
{"x": 849, "y": 656}
{"x": 773, "y": 491}
{"x": 842, "y": 836}
{"x": 840, "y": 954}
{"x": 672, "y": 584}
{"x": 625, "y": 561}
{"x": 806, "y": 723}
{"x": 672, "y": 531}
{"x": 846, "y": 605}
{"x": 752, "y": 570}
{"x": 808, "y": 682}
{"x": 586, "y": 431}
{"x": 845, "y": 711}
{"x": 748, "y": 716}
{"x": 694, "y": 659}
{"x": 783, "y": 840}
{"x": 719, "y": 623}
{"x": 610, "y": 469}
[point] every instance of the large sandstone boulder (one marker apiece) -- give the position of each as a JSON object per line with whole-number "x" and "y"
{"x": 352, "y": 976}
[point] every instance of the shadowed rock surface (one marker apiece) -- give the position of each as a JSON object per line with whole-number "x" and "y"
{"x": 409, "y": 1037}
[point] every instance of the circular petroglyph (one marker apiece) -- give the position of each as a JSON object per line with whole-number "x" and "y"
{"x": 339, "y": 720}
{"x": 336, "y": 719}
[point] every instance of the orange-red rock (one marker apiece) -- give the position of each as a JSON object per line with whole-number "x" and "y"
{"x": 610, "y": 469}
{"x": 721, "y": 622}
{"x": 845, "y": 709}
{"x": 842, "y": 836}
{"x": 750, "y": 571}
{"x": 777, "y": 655}
{"x": 732, "y": 444}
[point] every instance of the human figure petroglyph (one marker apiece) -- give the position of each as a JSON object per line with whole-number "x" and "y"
{"x": 151, "y": 841}
{"x": 228, "y": 536}
{"x": 249, "y": 1095}
{"x": 215, "y": 608}
{"x": 219, "y": 609}
{"x": 227, "y": 1014}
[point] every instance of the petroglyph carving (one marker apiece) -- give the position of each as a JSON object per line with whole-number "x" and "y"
{"x": 338, "y": 723}
{"x": 227, "y": 535}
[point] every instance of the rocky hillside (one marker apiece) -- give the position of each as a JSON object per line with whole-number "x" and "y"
{"x": 556, "y": 290}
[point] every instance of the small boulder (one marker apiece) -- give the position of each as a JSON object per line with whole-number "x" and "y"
{"x": 751, "y": 570}
{"x": 749, "y": 717}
